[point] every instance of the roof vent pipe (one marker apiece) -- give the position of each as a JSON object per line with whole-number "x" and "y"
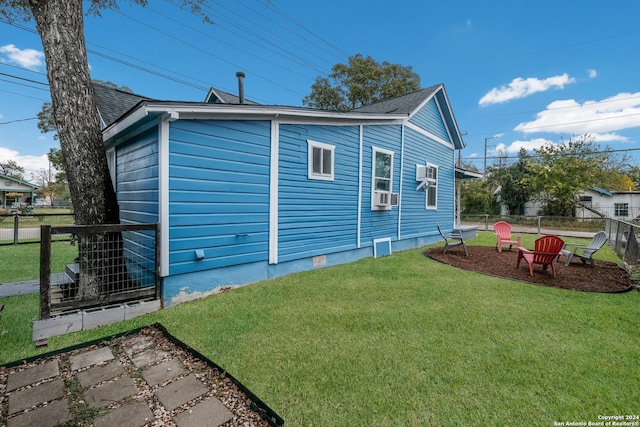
{"x": 240, "y": 76}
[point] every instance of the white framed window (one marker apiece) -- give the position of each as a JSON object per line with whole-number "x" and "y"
{"x": 321, "y": 160}
{"x": 621, "y": 209}
{"x": 431, "y": 176}
{"x": 382, "y": 179}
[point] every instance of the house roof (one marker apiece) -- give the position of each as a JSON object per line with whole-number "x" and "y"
{"x": 113, "y": 103}
{"x": 120, "y": 110}
{"x": 21, "y": 184}
{"x": 601, "y": 191}
{"x": 404, "y": 104}
{"x": 217, "y": 96}
{"x": 410, "y": 103}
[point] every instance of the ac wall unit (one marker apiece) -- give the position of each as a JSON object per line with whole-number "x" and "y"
{"x": 382, "y": 198}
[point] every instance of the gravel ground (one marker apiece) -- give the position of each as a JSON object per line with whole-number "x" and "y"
{"x": 220, "y": 385}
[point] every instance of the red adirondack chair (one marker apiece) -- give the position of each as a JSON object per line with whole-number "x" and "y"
{"x": 503, "y": 234}
{"x": 546, "y": 250}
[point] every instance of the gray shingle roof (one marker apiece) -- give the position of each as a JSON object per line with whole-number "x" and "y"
{"x": 113, "y": 103}
{"x": 217, "y": 96}
{"x": 405, "y": 104}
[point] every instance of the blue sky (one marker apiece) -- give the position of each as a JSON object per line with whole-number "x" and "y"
{"x": 518, "y": 74}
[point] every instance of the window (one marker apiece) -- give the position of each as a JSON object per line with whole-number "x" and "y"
{"x": 621, "y": 209}
{"x": 381, "y": 180}
{"x": 432, "y": 186}
{"x": 587, "y": 201}
{"x": 320, "y": 161}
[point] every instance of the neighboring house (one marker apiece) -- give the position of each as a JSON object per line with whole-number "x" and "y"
{"x": 246, "y": 192}
{"x": 10, "y": 185}
{"x": 596, "y": 202}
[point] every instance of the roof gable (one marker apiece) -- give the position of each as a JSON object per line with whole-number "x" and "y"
{"x": 9, "y": 183}
{"x": 112, "y": 103}
{"x": 217, "y": 96}
{"x": 411, "y": 104}
{"x": 405, "y": 104}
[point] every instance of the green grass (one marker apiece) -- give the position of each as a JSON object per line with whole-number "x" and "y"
{"x": 21, "y": 262}
{"x": 402, "y": 341}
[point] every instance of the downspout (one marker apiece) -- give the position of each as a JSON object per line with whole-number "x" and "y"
{"x": 361, "y": 137}
{"x": 163, "y": 189}
{"x": 274, "y": 191}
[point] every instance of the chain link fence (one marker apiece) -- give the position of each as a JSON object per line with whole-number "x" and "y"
{"x": 623, "y": 238}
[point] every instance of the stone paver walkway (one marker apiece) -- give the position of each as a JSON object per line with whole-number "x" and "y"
{"x": 129, "y": 382}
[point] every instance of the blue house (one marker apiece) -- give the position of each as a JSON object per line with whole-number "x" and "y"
{"x": 246, "y": 192}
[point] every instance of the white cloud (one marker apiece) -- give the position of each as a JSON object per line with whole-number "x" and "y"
{"x": 520, "y": 88}
{"x": 31, "y": 164}
{"x": 27, "y": 58}
{"x": 515, "y": 146}
{"x": 592, "y": 73}
{"x": 598, "y": 118}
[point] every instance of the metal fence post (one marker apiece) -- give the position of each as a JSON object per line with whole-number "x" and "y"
{"x": 45, "y": 271}
{"x": 16, "y": 220}
{"x": 539, "y": 227}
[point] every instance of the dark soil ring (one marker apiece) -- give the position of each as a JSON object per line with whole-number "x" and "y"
{"x": 605, "y": 277}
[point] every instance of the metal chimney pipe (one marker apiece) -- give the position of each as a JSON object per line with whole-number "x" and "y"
{"x": 240, "y": 76}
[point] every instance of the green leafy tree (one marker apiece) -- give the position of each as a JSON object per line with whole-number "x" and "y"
{"x": 362, "y": 81}
{"x": 515, "y": 183}
{"x": 12, "y": 169}
{"x": 477, "y": 195}
{"x": 60, "y": 24}
{"x": 561, "y": 172}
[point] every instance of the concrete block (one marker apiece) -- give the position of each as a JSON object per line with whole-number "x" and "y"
{"x": 59, "y": 325}
{"x": 138, "y": 308}
{"x": 89, "y": 358}
{"x": 180, "y": 392}
{"x": 32, "y": 375}
{"x": 101, "y": 316}
{"x": 97, "y": 374}
{"x": 163, "y": 372}
{"x": 131, "y": 415}
{"x": 29, "y": 397}
{"x": 54, "y": 414}
{"x": 109, "y": 393}
{"x": 210, "y": 412}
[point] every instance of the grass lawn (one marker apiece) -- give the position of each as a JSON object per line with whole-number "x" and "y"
{"x": 403, "y": 341}
{"x": 21, "y": 262}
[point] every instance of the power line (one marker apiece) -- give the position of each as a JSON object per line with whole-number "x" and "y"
{"x": 18, "y": 120}
{"x": 207, "y": 52}
{"x": 227, "y": 44}
{"x": 331, "y": 52}
{"x": 621, "y": 150}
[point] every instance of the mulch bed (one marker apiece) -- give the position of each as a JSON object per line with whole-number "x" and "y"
{"x": 605, "y": 277}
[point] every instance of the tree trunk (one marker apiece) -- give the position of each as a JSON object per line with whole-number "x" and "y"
{"x": 61, "y": 27}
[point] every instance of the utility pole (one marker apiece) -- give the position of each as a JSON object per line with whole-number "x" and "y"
{"x": 484, "y": 170}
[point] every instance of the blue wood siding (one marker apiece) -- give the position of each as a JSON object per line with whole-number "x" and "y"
{"x": 137, "y": 179}
{"x": 430, "y": 119}
{"x": 317, "y": 217}
{"x": 379, "y": 224}
{"x": 416, "y": 219}
{"x": 218, "y": 193}
{"x": 137, "y": 191}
